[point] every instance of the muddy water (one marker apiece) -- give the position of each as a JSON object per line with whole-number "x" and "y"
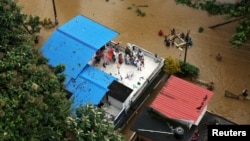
{"x": 232, "y": 74}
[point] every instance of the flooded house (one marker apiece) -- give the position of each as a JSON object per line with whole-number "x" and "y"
{"x": 98, "y": 70}
{"x": 178, "y": 112}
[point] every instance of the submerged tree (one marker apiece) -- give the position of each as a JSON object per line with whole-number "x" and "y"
{"x": 33, "y": 102}
{"x": 15, "y": 26}
{"x": 240, "y": 10}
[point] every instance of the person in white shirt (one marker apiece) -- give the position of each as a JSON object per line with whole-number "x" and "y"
{"x": 135, "y": 61}
{"x": 140, "y": 54}
{"x": 127, "y": 59}
{"x": 138, "y": 65}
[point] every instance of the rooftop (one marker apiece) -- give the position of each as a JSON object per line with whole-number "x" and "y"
{"x": 130, "y": 80}
{"x": 182, "y": 100}
{"x": 128, "y": 74}
{"x": 97, "y": 69}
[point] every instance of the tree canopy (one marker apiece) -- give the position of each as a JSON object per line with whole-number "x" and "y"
{"x": 33, "y": 102}
{"x": 239, "y": 10}
{"x": 91, "y": 125}
{"x": 171, "y": 65}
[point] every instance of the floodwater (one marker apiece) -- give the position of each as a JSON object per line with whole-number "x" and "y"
{"x": 232, "y": 73}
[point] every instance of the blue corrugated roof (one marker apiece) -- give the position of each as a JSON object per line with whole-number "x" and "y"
{"x": 89, "y": 32}
{"x": 97, "y": 76}
{"x": 61, "y": 49}
{"x": 73, "y": 45}
{"x": 90, "y": 86}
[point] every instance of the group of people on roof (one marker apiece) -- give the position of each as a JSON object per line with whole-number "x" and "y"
{"x": 134, "y": 57}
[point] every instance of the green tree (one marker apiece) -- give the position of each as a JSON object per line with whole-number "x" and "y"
{"x": 188, "y": 71}
{"x": 93, "y": 125}
{"x": 33, "y": 102}
{"x": 239, "y": 10}
{"x": 15, "y": 26}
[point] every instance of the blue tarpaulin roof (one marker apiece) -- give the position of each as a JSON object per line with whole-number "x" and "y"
{"x": 73, "y": 45}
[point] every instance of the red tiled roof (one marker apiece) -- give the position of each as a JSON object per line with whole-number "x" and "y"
{"x": 180, "y": 99}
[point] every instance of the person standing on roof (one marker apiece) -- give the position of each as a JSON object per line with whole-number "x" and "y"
{"x": 138, "y": 65}
{"x": 140, "y": 54}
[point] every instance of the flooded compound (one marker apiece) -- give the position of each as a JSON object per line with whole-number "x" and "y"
{"x": 139, "y": 21}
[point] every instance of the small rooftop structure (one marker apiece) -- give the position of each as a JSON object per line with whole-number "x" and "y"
{"x": 182, "y": 101}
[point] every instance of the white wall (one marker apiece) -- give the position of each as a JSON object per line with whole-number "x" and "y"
{"x": 115, "y": 102}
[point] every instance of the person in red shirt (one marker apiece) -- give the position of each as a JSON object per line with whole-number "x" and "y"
{"x": 218, "y": 57}
{"x": 160, "y": 33}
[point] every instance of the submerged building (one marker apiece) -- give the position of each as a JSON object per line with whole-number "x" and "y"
{"x": 98, "y": 70}
{"x": 177, "y": 113}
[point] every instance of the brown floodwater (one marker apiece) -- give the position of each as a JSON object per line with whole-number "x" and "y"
{"x": 232, "y": 73}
